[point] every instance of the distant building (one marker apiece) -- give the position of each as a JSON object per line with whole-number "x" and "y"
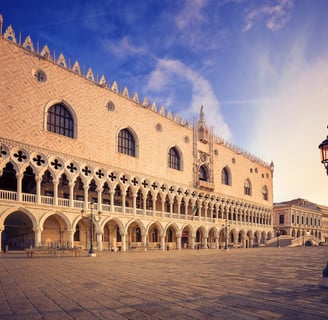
{"x": 71, "y": 142}
{"x": 302, "y": 220}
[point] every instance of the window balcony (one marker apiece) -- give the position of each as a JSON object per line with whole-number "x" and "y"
{"x": 205, "y": 185}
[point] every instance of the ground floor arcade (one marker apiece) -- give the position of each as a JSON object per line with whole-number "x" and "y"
{"x": 22, "y": 228}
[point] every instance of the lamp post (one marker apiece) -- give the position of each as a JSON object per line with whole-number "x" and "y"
{"x": 323, "y": 146}
{"x": 92, "y": 219}
{"x": 324, "y": 153}
{"x": 303, "y": 238}
{"x": 278, "y": 237}
{"x": 226, "y": 226}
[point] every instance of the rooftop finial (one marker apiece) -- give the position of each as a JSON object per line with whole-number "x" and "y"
{"x": 202, "y": 115}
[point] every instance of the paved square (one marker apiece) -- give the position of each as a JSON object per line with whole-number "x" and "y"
{"x": 259, "y": 283}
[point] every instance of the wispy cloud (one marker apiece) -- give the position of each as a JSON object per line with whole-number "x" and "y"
{"x": 174, "y": 71}
{"x": 275, "y": 16}
{"x": 190, "y": 14}
{"x": 123, "y": 47}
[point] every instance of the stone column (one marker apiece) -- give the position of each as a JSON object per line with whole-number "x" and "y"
{"x": 71, "y": 194}
{"x": 205, "y": 242}
{"x": 134, "y": 196}
{"x": 99, "y": 194}
{"x": 86, "y": 200}
{"x": 217, "y": 243}
{"x": 123, "y": 239}
{"x": 99, "y": 242}
{"x": 19, "y": 177}
{"x": 38, "y": 189}
{"x": 144, "y": 200}
{"x": 192, "y": 240}
{"x": 111, "y": 192}
{"x": 171, "y": 207}
{"x": 179, "y": 203}
{"x": 163, "y": 204}
{"x": 179, "y": 242}
{"x": 163, "y": 242}
{"x": 37, "y": 237}
{"x": 71, "y": 238}
{"x": 56, "y": 183}
{"x": 144, "y": 241}
{"x": 123, "y": 200}
{"x": 154, "y": 206}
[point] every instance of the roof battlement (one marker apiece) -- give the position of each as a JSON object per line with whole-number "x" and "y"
{"x": 60, "y": 60}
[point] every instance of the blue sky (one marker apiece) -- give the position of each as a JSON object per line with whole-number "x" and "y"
{"x": 259, "y": 67}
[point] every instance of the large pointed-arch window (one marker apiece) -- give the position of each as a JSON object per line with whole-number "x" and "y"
{"x": 126, "y": 143}
{"x": 174, "y": 159}
{"x": 203, "y": 173}
{"x": 226, "y": 176}
{"x": 60, "y": 121}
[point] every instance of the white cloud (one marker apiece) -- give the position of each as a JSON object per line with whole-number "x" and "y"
{"x": 123, "y": 47}
{"x": 276, "y": 15}
{"x": 190, "y": 14}
{"x": 174, "y": 71}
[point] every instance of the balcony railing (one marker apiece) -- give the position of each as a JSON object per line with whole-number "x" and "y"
{"x": 80, "y": 204}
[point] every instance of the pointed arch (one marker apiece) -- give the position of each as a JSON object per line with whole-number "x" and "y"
{"x": 127, "y": 142}
{"x": 60, "y": 118}
{"x": 226, "y": 176}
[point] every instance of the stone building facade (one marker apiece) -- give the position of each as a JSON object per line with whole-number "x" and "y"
{"x": 301, "y": 219}
{"x": 71, "y": 143}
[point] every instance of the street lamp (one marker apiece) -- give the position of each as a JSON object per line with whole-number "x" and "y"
{"x": 92, "y": 219}
{"x": 226, "y": 226}
{"x": 278, "y": 239}
{"x": 324, "y": 153}
{"x": 323, "y": 146}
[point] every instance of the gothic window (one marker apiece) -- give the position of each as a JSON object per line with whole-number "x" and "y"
{"x": 203, "y": 173}
{"x": 60, "y": 121}
{"x": 265, "y": 193}
{"x": 8, "y": 180}
{"x": 126, "y": 143}
{"x": 226, "y": 176}
{"x": 247, "y": 187}
{"x": 174, "y": 159}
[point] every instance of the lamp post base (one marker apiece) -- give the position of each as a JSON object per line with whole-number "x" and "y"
{"x": 92, "y": 254}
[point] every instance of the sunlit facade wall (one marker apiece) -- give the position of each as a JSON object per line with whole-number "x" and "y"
{"x": 71, "y": 142}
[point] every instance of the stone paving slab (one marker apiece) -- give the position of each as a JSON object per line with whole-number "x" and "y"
{"x": 259, "y": 283}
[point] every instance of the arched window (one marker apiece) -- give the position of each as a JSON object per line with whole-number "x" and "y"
{"x": 265, "y": 193}
{"x": 225, "y": 176}
{"x": 154, "y": 235}
{"x": 203, "y": 173}
{"x": 60, "y": 121}
{"x": 126, "y": 143}
{"x": 174, "y": 159}
{"x": 247, "y": 187}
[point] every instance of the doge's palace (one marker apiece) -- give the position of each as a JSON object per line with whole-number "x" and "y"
{"x": 73, "y": 145}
